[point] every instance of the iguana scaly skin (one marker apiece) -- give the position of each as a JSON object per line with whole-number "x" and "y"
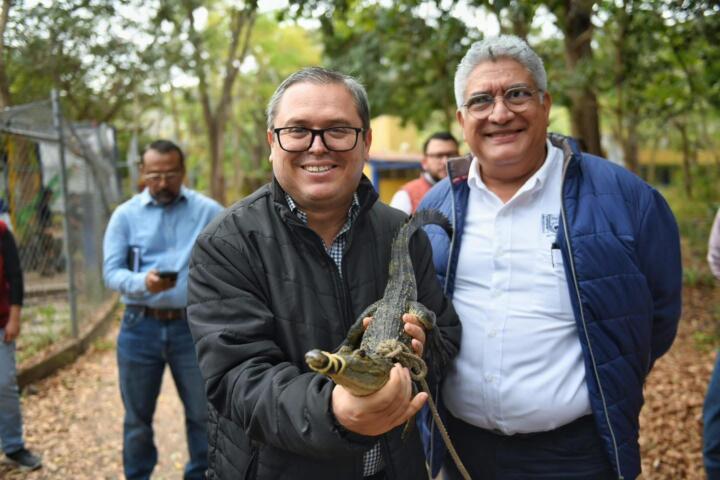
{"x": 363, "y": 362}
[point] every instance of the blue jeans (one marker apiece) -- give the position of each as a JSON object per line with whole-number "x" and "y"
{"x": 11, "y": 431}
{"x": 711, "y": 425}
{"x": 145, "y": 345}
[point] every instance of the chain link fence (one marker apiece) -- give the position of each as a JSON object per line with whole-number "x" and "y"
{"x": 58, "y": 186}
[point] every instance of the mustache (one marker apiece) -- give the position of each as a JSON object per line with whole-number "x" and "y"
{"x": 164, "y": 196}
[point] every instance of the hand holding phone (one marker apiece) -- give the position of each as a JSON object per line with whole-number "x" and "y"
{"x": 156, "y": 281}
{"x": 169, "y": 275}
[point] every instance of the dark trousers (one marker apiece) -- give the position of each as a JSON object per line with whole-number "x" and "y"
{"x": 711, "y": 425}
{"x": 146, "y": 346}
{"x": 573, "y": 451}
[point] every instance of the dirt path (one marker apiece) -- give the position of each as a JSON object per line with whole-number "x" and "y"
{"x": 74, "y": 418}
{"x": 671, "y": 420}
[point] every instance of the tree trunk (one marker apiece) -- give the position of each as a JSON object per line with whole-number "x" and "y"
{"x": 241, "y": 25}
{"x": 5, "y": 100}
{"x": 687, "y": 158}
{"x": 216, "y": 137}
{"x": 574, "y": 18}
{"x": 652, "y": 167}
{"x": 630, "y": 147}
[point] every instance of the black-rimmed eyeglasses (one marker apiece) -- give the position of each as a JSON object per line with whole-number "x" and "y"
{"x": 335, "y": 139}
{"x": 515, "y": 99}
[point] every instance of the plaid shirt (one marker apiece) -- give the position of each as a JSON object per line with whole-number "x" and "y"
{"x": 372, "y": 460}
{"x": 338, "y": 246}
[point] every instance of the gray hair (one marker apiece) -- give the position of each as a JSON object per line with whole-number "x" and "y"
{"x": 492, "y": 49}
{"x": 321, "y": 76}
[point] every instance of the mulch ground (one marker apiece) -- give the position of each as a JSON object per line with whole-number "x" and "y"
{"x": 671, "y": 420}
{"x": 74, "y": 418}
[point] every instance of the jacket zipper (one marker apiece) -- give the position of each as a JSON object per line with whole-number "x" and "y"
{"x": 445, "y": 291}
{"x": 452, "y": 237}
{"x": 582, "y": 316}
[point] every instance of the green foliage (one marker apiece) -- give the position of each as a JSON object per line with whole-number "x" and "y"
{"x": 43, "y": 325}
{"x": 103, "y": 345}
{"x": 655, "y": 65}
{"x": 406, "y": 61}
{"x": 695, "y": 216}
{"x": 247, "y": 146}
{"x": 707, "y": 340}
{"x": 276, "y": 49}
{"x": 58, "y": 44}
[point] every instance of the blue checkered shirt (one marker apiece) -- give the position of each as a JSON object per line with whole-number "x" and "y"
{"x": 372, "y": 461}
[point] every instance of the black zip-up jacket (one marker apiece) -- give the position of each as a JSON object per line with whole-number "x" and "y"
{"x": 262, "y": 292}
{"x": 11, "y": 279}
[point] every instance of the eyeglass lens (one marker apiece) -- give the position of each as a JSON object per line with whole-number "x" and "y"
{"x": 299, "y": 139}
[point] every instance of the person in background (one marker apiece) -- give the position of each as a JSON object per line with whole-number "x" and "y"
{"x": 146, "y": 253}
{"x": 436, "y": 150}
{"x": 711, "y": 408}
{"x": 289, "y": 269}
{"x": 565, "y": 271}
{"x": 11, "y": 300}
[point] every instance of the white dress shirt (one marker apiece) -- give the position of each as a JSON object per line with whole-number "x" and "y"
{"x": 401, "y": 201}
{"x": 520, "y": 368}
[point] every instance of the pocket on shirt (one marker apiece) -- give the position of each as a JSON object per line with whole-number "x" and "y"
{"x": 552, "y": 264}
{"x": 562, "y": 282}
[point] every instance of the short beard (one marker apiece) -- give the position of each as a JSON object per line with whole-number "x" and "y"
{"x": 164, "y": 197}
{"x": 437, "y": 179}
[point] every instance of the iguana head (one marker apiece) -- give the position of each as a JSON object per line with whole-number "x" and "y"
{"x": 358, "y": 372}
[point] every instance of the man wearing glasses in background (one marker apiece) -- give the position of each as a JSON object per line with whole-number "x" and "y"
{"x": 288, "y": 269}
{"x": 565, "y": 272}
{"x": 436, "y": 150}
{"x": 146, "y": 253}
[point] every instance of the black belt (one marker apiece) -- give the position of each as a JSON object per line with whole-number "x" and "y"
{"x": 160, "y": 313}
{"x": 586, "y": 421}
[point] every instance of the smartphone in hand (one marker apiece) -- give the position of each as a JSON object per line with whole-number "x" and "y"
{"x": 168, "y": 275}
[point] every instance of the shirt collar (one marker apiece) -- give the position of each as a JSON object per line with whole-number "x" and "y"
{"x": 147, "y": 199}
{"x": 429, "y": 178}
{"x": 536, "y": 181}
{"x": 352, "y": 211}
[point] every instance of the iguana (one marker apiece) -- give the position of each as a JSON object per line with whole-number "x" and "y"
{"x": 363, "y": 362}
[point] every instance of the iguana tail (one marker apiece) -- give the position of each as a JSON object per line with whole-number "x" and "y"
{"x": 400, "y": 253}
{"x": 434, "y": 343}
{"x": 428, "y": 217}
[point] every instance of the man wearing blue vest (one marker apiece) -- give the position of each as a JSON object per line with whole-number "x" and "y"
{"x": 146, "y": 254}
{"x": 565, "y": 271}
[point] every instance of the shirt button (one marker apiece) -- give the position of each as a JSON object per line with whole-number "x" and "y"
{"x": 492, "y": 333}
{"x": 488, "y": 378}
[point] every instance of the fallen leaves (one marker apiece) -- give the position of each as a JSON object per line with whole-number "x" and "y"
{"x": 74, "y": 418}
{"x": 671, "y": 420}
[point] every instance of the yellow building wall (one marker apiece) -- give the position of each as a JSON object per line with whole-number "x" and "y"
{"x": 673, "y": 157}
{"x": 391, "y": 185}
{"x": 390, "y": 136}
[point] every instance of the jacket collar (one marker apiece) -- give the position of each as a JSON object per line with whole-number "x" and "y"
{"x": 367, "y": 196}
{"x": 571, "y": 152}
